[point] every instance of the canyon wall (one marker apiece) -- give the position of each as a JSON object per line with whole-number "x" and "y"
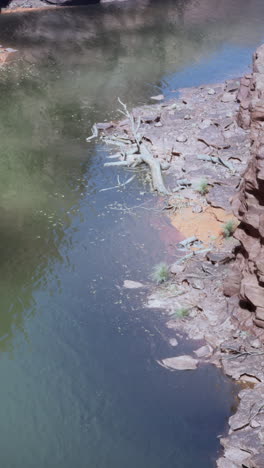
{"x": 249, "y": 203}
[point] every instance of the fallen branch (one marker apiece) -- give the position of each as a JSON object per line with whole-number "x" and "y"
{"x": 131, "y": 160}
{"x": 237, "y": 354}
{"x": 114, "y": 156}
{"x": 155, "y": 169}
{"x": 191, "y": 255}
{"x": 116, "y": 163}
{"x": 189, "y": 241}
{"x": 110, "y": 141}
{"x": 138, "y": 153}
{"x": 215, "y": 160}
{"x": 119, "y": 184}
{"x": 94, "y": 133}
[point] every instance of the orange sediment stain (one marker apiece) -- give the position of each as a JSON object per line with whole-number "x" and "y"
{"x": 207, "y": 226}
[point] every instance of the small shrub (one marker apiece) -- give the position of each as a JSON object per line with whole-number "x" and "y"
{"x": 203, "y": 187}
{"x": 161, "y": 273}
{"x": 181, "y": 312}
{"x": 229, "y": 228}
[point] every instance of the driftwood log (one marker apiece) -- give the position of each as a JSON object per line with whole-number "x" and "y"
{"x": 133, "y": 150}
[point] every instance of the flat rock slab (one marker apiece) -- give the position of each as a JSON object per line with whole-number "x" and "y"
{"x": 212, "y": 136}
{"x": 219, "y": 197}
{"x": 128, "y": 284}
{"x": 204, "y": 352}
{"x": 224, "y": 463}
{"x": 228, "y": 97}
{"x": 219, "y": 256}
{"x": 184, "y": 362}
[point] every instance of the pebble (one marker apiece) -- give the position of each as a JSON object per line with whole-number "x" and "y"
{"x": 254, "y": 424}
{"x": 197, "y": 283}
{"x": 165, "y": 165}
{"x": 197, "y": 209}
{"x": 158, "y": 124}
{"x": 211, "y": 91}
{"x": 181, "y": 138}
{"x": 173, "y": 342}
{"x": 205, "y": 124}
{"x": 227, "y": 97}
{"x": 256, "y": 343}
{"x": 176, "y": 269}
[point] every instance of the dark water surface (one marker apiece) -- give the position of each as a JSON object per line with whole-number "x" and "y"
{"x": 80, "y": 385}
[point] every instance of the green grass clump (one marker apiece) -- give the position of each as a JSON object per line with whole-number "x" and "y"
{"x": 181, "y": 312}
{"x": 161, "y": 273}
{"x": 229, "y": 228}
{"x": 203, "y": 187}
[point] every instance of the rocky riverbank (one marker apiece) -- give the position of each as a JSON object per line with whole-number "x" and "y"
{"x": 205, "y": 141}
{"x": 40, "y": 4}
{"x": 27, "y": 4}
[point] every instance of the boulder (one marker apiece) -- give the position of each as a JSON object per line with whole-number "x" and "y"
{"x": 184, "y": 362}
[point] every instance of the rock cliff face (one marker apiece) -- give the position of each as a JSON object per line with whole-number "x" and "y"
{"x": 249, "y": 204}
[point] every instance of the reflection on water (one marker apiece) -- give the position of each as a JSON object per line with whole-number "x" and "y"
{"x": 80, "y": 385}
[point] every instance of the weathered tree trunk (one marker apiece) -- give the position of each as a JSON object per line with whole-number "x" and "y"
{"x": 135, "y": 152}
{"x": 154, "y": 165}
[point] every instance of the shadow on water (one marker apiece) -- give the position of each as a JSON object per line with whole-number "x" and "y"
{"x": 80, "y": 383}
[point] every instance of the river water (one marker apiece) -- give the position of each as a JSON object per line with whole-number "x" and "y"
{"x": 80, "y": 383}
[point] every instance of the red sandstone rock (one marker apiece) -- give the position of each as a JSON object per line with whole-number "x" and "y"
{"x": 249, "y": 204}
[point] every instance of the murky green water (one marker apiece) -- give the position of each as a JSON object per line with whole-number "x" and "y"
{"x": 80, "y": 385}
